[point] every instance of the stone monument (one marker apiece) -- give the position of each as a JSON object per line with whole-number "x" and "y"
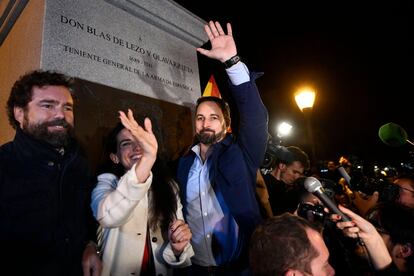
{"x": 124, "y": 54}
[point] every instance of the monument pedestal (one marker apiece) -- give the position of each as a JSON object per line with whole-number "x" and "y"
{"x": 124, "y": 54}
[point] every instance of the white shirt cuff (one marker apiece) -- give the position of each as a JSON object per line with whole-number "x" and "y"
{"x": 238, "y": 73}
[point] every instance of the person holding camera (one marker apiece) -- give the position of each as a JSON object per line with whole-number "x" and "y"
{"x": 369, "y": 191}
{"x": 287, "y": 164}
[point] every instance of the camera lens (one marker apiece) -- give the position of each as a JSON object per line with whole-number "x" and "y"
{"x": 313, "y": 213}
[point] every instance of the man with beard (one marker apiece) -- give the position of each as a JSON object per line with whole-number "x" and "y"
{"x": 45, "y": 221}
{"x": 217, "y": 176}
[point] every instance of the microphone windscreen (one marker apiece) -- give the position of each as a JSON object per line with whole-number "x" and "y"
{"x": 312, "y": 184}
{"x": 392, "y": 135}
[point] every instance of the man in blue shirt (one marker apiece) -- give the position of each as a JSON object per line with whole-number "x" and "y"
{"x": 217, "y": 176}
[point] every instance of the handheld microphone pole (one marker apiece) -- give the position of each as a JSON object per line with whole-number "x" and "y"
{"x": 314, "y": 186}
{"x": 344, "y": 174}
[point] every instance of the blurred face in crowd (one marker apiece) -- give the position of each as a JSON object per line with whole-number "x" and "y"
{"x": 128, "y": 150}
{"x": 289, "y": 173}
{"x": 209, "y": 123}
{"x": 331, "y": 166}
{"x": 48, "y": 116}
{"x": 406, "y": 196}
{"x": 398, "y": 252}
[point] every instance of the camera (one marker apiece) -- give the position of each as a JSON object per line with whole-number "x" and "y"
{"x": 274, "y": 153}
{"x": 368, "y": 185}
{"x": 312, "y": 213}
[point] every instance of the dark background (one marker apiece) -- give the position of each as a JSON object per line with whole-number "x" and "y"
{"x": 358, "y": 56}
{"x": 95, "y": 119}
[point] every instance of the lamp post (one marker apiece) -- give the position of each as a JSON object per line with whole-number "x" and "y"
{"x": 305, "y": 98}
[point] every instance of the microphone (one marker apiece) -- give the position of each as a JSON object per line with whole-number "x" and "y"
{"x": 314, "y": 186}
{"x": 393, "y": 135}
{"x": 344, "y": 174}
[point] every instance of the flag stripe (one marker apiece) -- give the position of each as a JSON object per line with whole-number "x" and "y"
{"x": 212, "y": 88}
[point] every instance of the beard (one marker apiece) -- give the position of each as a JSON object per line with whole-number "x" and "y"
{"x": 57, "y": 139}
{"x": 209, "y": 137}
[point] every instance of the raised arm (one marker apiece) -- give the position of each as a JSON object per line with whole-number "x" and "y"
{"x": 113, "y": 200}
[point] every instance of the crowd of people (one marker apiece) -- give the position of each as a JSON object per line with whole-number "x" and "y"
{"x": 219, "y": 213}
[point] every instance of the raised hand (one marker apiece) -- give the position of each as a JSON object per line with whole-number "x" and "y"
{"x": 146, "y": 140}
{"x": 179, "y": 235}
{"x": 359, "y": 227}
{"x": 223, "y": 46}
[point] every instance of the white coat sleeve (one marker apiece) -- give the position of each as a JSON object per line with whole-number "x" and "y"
{"x": 114, "y": 201}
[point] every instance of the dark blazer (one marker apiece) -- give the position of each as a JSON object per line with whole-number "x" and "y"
{"x": 236, "y": 159}
{"x": 45, "y": 218}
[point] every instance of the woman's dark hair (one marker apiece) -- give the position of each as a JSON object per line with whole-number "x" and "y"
{"x": 163, "y": 191}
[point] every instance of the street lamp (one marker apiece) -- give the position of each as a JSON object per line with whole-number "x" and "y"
{"x": 305, "y": 98}
{"x": 283, "y": 129}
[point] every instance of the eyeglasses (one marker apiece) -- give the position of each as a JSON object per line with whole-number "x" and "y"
{"x": 406, "y": 189}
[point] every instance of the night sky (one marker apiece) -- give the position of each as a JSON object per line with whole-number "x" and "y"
{"x": 358, "y": 55}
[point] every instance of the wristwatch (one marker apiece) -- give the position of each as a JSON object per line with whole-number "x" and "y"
{"x": 230, "y": 62}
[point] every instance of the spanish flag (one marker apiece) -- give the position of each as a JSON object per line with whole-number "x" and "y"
{"x": 212, "y": 88}
{"x": 213, "y": 91}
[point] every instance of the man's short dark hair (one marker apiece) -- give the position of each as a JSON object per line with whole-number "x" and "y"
{"x": 221, "y": 103}
{"x": 288, "y": 155}
{"x": 281, "y": 243}
{"x": 299, "y": 155}
{"x": 22, "y": 90}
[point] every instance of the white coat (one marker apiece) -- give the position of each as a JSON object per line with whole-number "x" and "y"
{"x": 121, "y": 207}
